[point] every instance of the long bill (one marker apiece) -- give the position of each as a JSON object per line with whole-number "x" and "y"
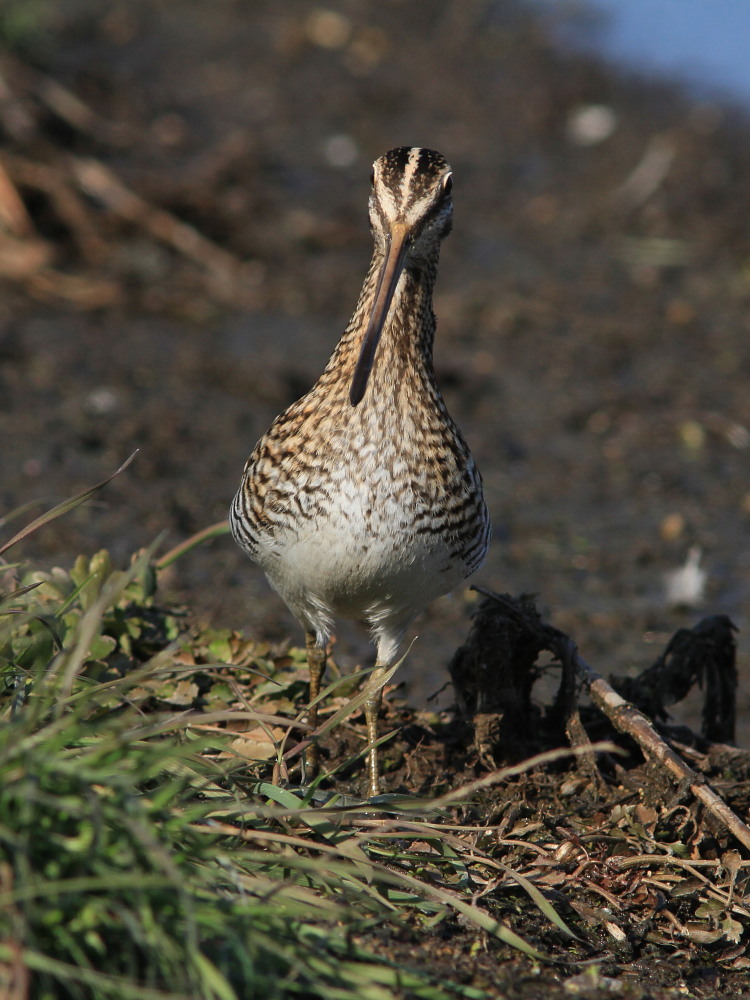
{"x": 393, "y": 265}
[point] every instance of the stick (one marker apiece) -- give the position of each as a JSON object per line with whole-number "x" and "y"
{"x": 629, "y": 720}
{"x": 103, "y": 184}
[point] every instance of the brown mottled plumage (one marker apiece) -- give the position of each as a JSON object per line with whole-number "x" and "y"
{"x": 363, "y": 501}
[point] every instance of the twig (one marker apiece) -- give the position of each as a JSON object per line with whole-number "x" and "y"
{"x": 15, "y": 113}
{"x": 629, "y": 720}
{"x": 24, "y": 91}
{"x": 13, "y": 215}
{"x": 101, "y": 183}
{"x": 68, "y": 203}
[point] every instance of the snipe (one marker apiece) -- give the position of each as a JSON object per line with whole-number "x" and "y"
{"x": 363, "y": 501}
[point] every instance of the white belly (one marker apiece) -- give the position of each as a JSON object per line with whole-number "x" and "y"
{"x": 361, "y": 557}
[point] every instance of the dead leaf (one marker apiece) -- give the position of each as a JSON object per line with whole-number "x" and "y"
{"x": 260, "y": 743}
{"x": 181, "y": 694}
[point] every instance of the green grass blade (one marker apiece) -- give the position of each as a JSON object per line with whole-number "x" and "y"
{"x": 538, "y": 898}
{"x": 64, "y": 507}
{"x": 212, "y": 531}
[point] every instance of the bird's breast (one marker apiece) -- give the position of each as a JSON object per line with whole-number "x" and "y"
{"x": 351, "y": 507}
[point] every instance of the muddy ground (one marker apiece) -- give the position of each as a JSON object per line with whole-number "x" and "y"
{"x": 592, "y": 300}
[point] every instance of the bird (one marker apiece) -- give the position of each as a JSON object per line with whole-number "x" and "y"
{"x": 362, "y": 501}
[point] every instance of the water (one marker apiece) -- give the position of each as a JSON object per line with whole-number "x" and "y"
{"x": 703, "y": 43}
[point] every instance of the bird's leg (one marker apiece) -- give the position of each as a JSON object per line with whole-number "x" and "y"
{"x": 316, "y": 663}
{"x": 372, "y": 708}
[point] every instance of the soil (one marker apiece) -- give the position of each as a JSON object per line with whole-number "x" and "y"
{"x": 592, "y": 308}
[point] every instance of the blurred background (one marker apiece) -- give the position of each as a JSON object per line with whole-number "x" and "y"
{"x": 183, "y": 235}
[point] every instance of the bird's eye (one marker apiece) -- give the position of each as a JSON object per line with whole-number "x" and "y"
{"x": 372, "y": 176}
{"x": 447, "y": 183}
